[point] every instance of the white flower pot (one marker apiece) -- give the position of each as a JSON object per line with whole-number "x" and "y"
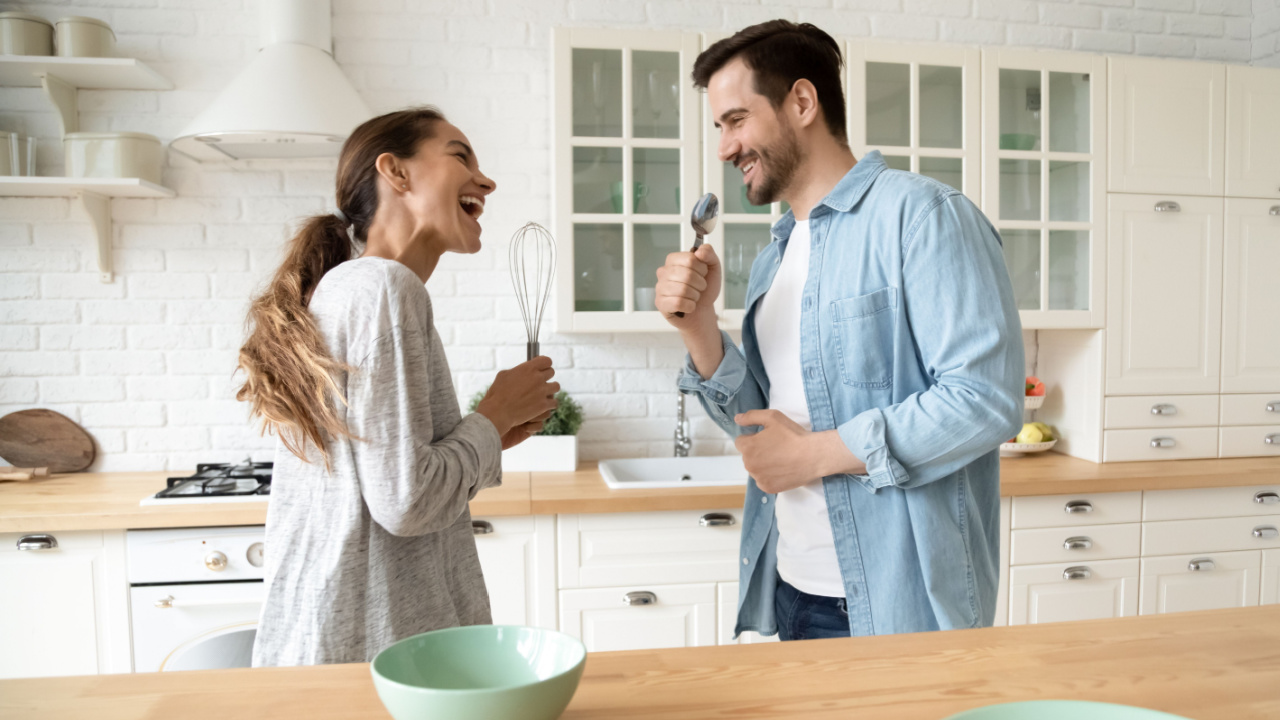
{"x": 543, "y": 453}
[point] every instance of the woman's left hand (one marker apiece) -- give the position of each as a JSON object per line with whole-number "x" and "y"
{"x": 520, "y": 433}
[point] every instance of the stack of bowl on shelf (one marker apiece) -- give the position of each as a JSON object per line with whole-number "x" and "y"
{"x": 1034, "y": 437}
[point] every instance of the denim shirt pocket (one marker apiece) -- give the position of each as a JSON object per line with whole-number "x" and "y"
{"x": 864, "y": 327}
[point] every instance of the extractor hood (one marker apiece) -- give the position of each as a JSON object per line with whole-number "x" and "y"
{"x": 292, "y": 101}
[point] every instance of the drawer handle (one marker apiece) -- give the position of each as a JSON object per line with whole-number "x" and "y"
{"x": 1078, "y": 507}
{"x": 165, "y": 602}
{"x": 1266, "y": 532}
{"x": 1273, "y": 439}
{"x": 1273, "y": 407}
{"x": 1077, "y": 543}
{"x": 1163, "y": 442}
{"x": 1275, "y": 210}
{"x": 1079, "y": 572}
{"x": 481, "y": 527}
{"x": 640, "y": 597}
{"x": 1201, "y": 565}
{"x": 1164, "y": 409}
{"x": 1266, "y": 498}
{"x": 716, "y": 520}
{"x": 1168, "y": 206}
{"x": 37, "y": 542}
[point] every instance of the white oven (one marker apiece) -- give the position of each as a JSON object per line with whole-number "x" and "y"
{"x": 195, "y": 596}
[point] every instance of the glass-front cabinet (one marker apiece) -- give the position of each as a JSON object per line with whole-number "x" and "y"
{"x": 1043, "y": 180}
{"x": 626, "y": 169}
{"x": 920, "y": 106}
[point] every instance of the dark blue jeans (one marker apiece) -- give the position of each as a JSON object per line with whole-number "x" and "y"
{"x": 802, "y": 616}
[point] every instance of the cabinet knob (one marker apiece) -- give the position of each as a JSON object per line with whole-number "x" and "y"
{"x": 481, "y": 527}
{"x": 1266, "y": 532}
{"x": 1078, "y": 507}
{"x": 1267, "y": 498}
{"x": 1168, "y": 206}
{"x": 1275, "y": 209}
{"x": 1079, "y": 572}
{"x": 1163, "y": 442}
{"x": 1273, "y": 407}
{"x": 1272, "y": 439}
{"x": 1077, "y": 543}
{"x": 37, "y": 542}
{"x": 716, "y": 520}
{"x": 1164, "y": 409}
{"x": 640, "y": 597}
{"x": 1201, "y": 565}
{"x": 215, "y": 561}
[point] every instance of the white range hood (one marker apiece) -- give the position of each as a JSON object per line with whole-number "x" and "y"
{"x": 292, "y": 101}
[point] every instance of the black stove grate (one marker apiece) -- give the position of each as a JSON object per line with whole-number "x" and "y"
{"x": 221, "y": 479}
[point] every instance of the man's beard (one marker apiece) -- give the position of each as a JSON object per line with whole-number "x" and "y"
{"x": 777, "y": 168}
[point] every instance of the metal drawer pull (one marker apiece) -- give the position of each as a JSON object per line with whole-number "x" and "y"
{"x": 716, "y": 520}
{"x": 1201, "y": 565}
{"x": 1168, "y": 206}
{"x": 1275, "y": 209}
{"x": 1164, "y": 409}
{"x": 1273, "y": 407}
{"x": 1078, "y": 507}
{"x": 37, "y": 542}
{"x": 640, "y": 597}
{"x": 1266, "y": 498}
{"x": 1266, "y": 532}
{"x": 1273, "y": 439}
{"x": 1079, "y": 572}
{"x": 170, "y": 602}
{"x": 1163, "y": 442}
{"x": 1077, "y": 543}
{"x": 481, "y": 527}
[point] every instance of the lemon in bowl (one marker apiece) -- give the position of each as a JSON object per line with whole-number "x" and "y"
{"x": 478, "y": 672}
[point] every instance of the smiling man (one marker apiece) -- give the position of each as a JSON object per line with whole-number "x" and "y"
{"x": 880, "y": 369}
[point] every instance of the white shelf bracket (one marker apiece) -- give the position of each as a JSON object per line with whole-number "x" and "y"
{"x": 63, "y": 97}
{"x": 98, "y": 209}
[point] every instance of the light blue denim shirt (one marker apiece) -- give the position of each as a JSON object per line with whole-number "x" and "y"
{"x": 911, "y": 348}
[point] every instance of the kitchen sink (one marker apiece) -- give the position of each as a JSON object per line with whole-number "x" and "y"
{"x": 671, "y": 472}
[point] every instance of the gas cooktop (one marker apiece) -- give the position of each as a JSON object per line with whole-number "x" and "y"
{"x": 218, "y": 482}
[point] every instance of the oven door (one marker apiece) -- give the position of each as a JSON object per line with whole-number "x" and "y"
{"x": 204, "y": 626}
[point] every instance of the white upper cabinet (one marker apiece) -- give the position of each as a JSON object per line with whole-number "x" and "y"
{"x": 1164, "y": 299}
{"x": 626, "y": 169}
{"x": 1166, "y": 126}
{"x": 1253, "y": 132}
{"x": 1251, "y": 297}
{"x": 1044, "y": 148}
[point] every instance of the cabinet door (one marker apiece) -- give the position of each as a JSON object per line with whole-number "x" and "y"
{"x": 1164, "y": 294}
{"x": 1062, "y": 592}
{"x": 1002, "y": 590}
{"x": 727, "y": 619}
{"x": 47, "y": 604}
{"x": 517, "y": 555}
{"x": 640, "y": 617}
{"x": 1253, "y": 132}
{"x": 1251, "y": 295}
{"x": 614, "y": 549}
{"x": 1182, "y": 583}
{"x": 1166, "y": 126}
{"x": 1270, "y": 577}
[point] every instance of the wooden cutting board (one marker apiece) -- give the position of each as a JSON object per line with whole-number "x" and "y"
{"x": 44, "y": 438}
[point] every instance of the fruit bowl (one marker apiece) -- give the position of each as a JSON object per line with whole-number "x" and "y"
{"x": 1014, "y": 449}
{"x": 1034, "y": 401}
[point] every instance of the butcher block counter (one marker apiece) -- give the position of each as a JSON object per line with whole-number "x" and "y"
{"x": 1215, "y": 665}
{"x": 103, "y": 501}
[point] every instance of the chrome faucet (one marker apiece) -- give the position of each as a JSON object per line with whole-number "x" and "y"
{"x": 682, "y": 438}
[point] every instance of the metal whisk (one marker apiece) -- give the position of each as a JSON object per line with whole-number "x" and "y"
{"x": 533, "y": 265}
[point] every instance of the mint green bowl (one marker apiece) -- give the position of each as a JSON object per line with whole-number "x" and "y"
{"x": 479, "y": 672}
{"x": 1062, "y": 710}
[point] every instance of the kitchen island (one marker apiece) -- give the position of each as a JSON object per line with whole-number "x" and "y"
{"x": 1213, "y": 665}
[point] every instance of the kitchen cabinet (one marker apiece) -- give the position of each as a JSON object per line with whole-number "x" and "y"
{"x": 1062, "y": 592}
{"x": 1251, "y": 294}
{"x": 1043, "y": 157}
{"x": 1270, "y": 577}
{"x": 1002, "y": 589}
{"x": 1253, "y": 132}
{"x": 1182, "y": 583}
{"x": 640, "y": 617}
{"x": 517, "y": 556}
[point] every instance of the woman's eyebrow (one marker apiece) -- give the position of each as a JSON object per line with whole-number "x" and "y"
{"x": 466, "y": 148}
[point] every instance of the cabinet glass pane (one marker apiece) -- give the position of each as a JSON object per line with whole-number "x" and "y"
{"x": 1020, "y": 189}
{"x": 653, "y": 243}
{"x": 1068, "y": 270}
{"x": 597, "y": 267}
{"x": 657, "y": 184}
{"x": 1068, "y": 191}
{"x": 888, "y": 104}
{"x": 1022, "y": 256}
{"x": 1068, "y": 112}
{"x": 735, "y": 194}
{"x": 898, "y": 162}
{"x": 597, "y": 180}
{"x": 941, "y": 107}
{"x": 742, "y": 243}
{"x": 655, "y": 94}
{"x": 597, "y": 93}
{"x": 1019, "y": 109}
{"x": 945, "y": 170}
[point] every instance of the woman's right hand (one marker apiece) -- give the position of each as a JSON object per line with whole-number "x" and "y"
{"x": 521, "y": 395}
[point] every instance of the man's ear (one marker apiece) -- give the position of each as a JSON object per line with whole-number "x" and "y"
{"x": 392, "y": 170}
{"x": 802, "y": 101}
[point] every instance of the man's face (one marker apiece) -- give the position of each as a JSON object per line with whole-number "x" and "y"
{"x": 758, "y": 140}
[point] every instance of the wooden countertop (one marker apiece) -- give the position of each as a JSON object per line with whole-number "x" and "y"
{"x": 1215, "y": 665}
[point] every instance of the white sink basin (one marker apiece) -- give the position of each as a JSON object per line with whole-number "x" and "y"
{"x": 673, "y": 472}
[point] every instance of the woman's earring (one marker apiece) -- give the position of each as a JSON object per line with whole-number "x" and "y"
{"x": 404, "y": 187}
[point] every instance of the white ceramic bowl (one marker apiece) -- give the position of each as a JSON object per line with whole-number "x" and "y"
{"x": 1015, "y": 449}
{"x": 1034, "y": 402}
{"x": 113, "y": 154}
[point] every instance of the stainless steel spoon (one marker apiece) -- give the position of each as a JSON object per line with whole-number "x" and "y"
{"x": 703, "y": 220}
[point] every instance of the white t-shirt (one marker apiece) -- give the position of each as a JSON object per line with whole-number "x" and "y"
{"x": 806, "y": 548}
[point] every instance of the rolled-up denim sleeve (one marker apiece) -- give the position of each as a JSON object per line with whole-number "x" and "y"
{"x": 730, "y": 390}
{"x": 968, "y": 337}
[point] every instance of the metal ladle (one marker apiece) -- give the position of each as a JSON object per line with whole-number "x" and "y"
{"x": 703, "y": 220}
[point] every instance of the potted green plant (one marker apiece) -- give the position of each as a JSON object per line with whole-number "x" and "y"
{"x": 554, "y": 448}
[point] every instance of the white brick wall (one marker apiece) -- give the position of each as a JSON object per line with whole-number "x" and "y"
{"x": 146, "y": 362}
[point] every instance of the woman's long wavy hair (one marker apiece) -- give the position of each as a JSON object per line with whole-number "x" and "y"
{"x": 288, "y": 370}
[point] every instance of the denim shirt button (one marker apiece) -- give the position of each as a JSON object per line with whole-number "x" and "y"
{"x": 764, "y": 501}
{"x": 744, "y": 561}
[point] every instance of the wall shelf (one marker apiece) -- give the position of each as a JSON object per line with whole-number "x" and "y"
{"x": 88, "y": 73}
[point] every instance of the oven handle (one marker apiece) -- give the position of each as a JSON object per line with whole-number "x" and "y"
{"x": 169, "y": 601}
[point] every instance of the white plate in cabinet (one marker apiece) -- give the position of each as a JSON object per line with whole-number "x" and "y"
{"x": 640, "y": 617}
{"x": 1159, "y": 444}
{"x": 1251, "y": 295}
{"x": 1076, "y": 544}
{"x": 1253, "y": 132}
{"x": 1255, "y": 441}
{"x": 1210, "y": 502}
{"x": 1165, "y": 125}
{"x": 1203, "y": 581}
{"x": 727, "y": 620}
{"x": 1270, "y": 577}
{"x": 1251, "y": 409}
{"x": 659, "y": 547}
{"x": 1067, "y": 591}
{"x": 1150, "y": 411}
{"x": 1069, "y": 510}
{"x": 1175, "y": 537}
